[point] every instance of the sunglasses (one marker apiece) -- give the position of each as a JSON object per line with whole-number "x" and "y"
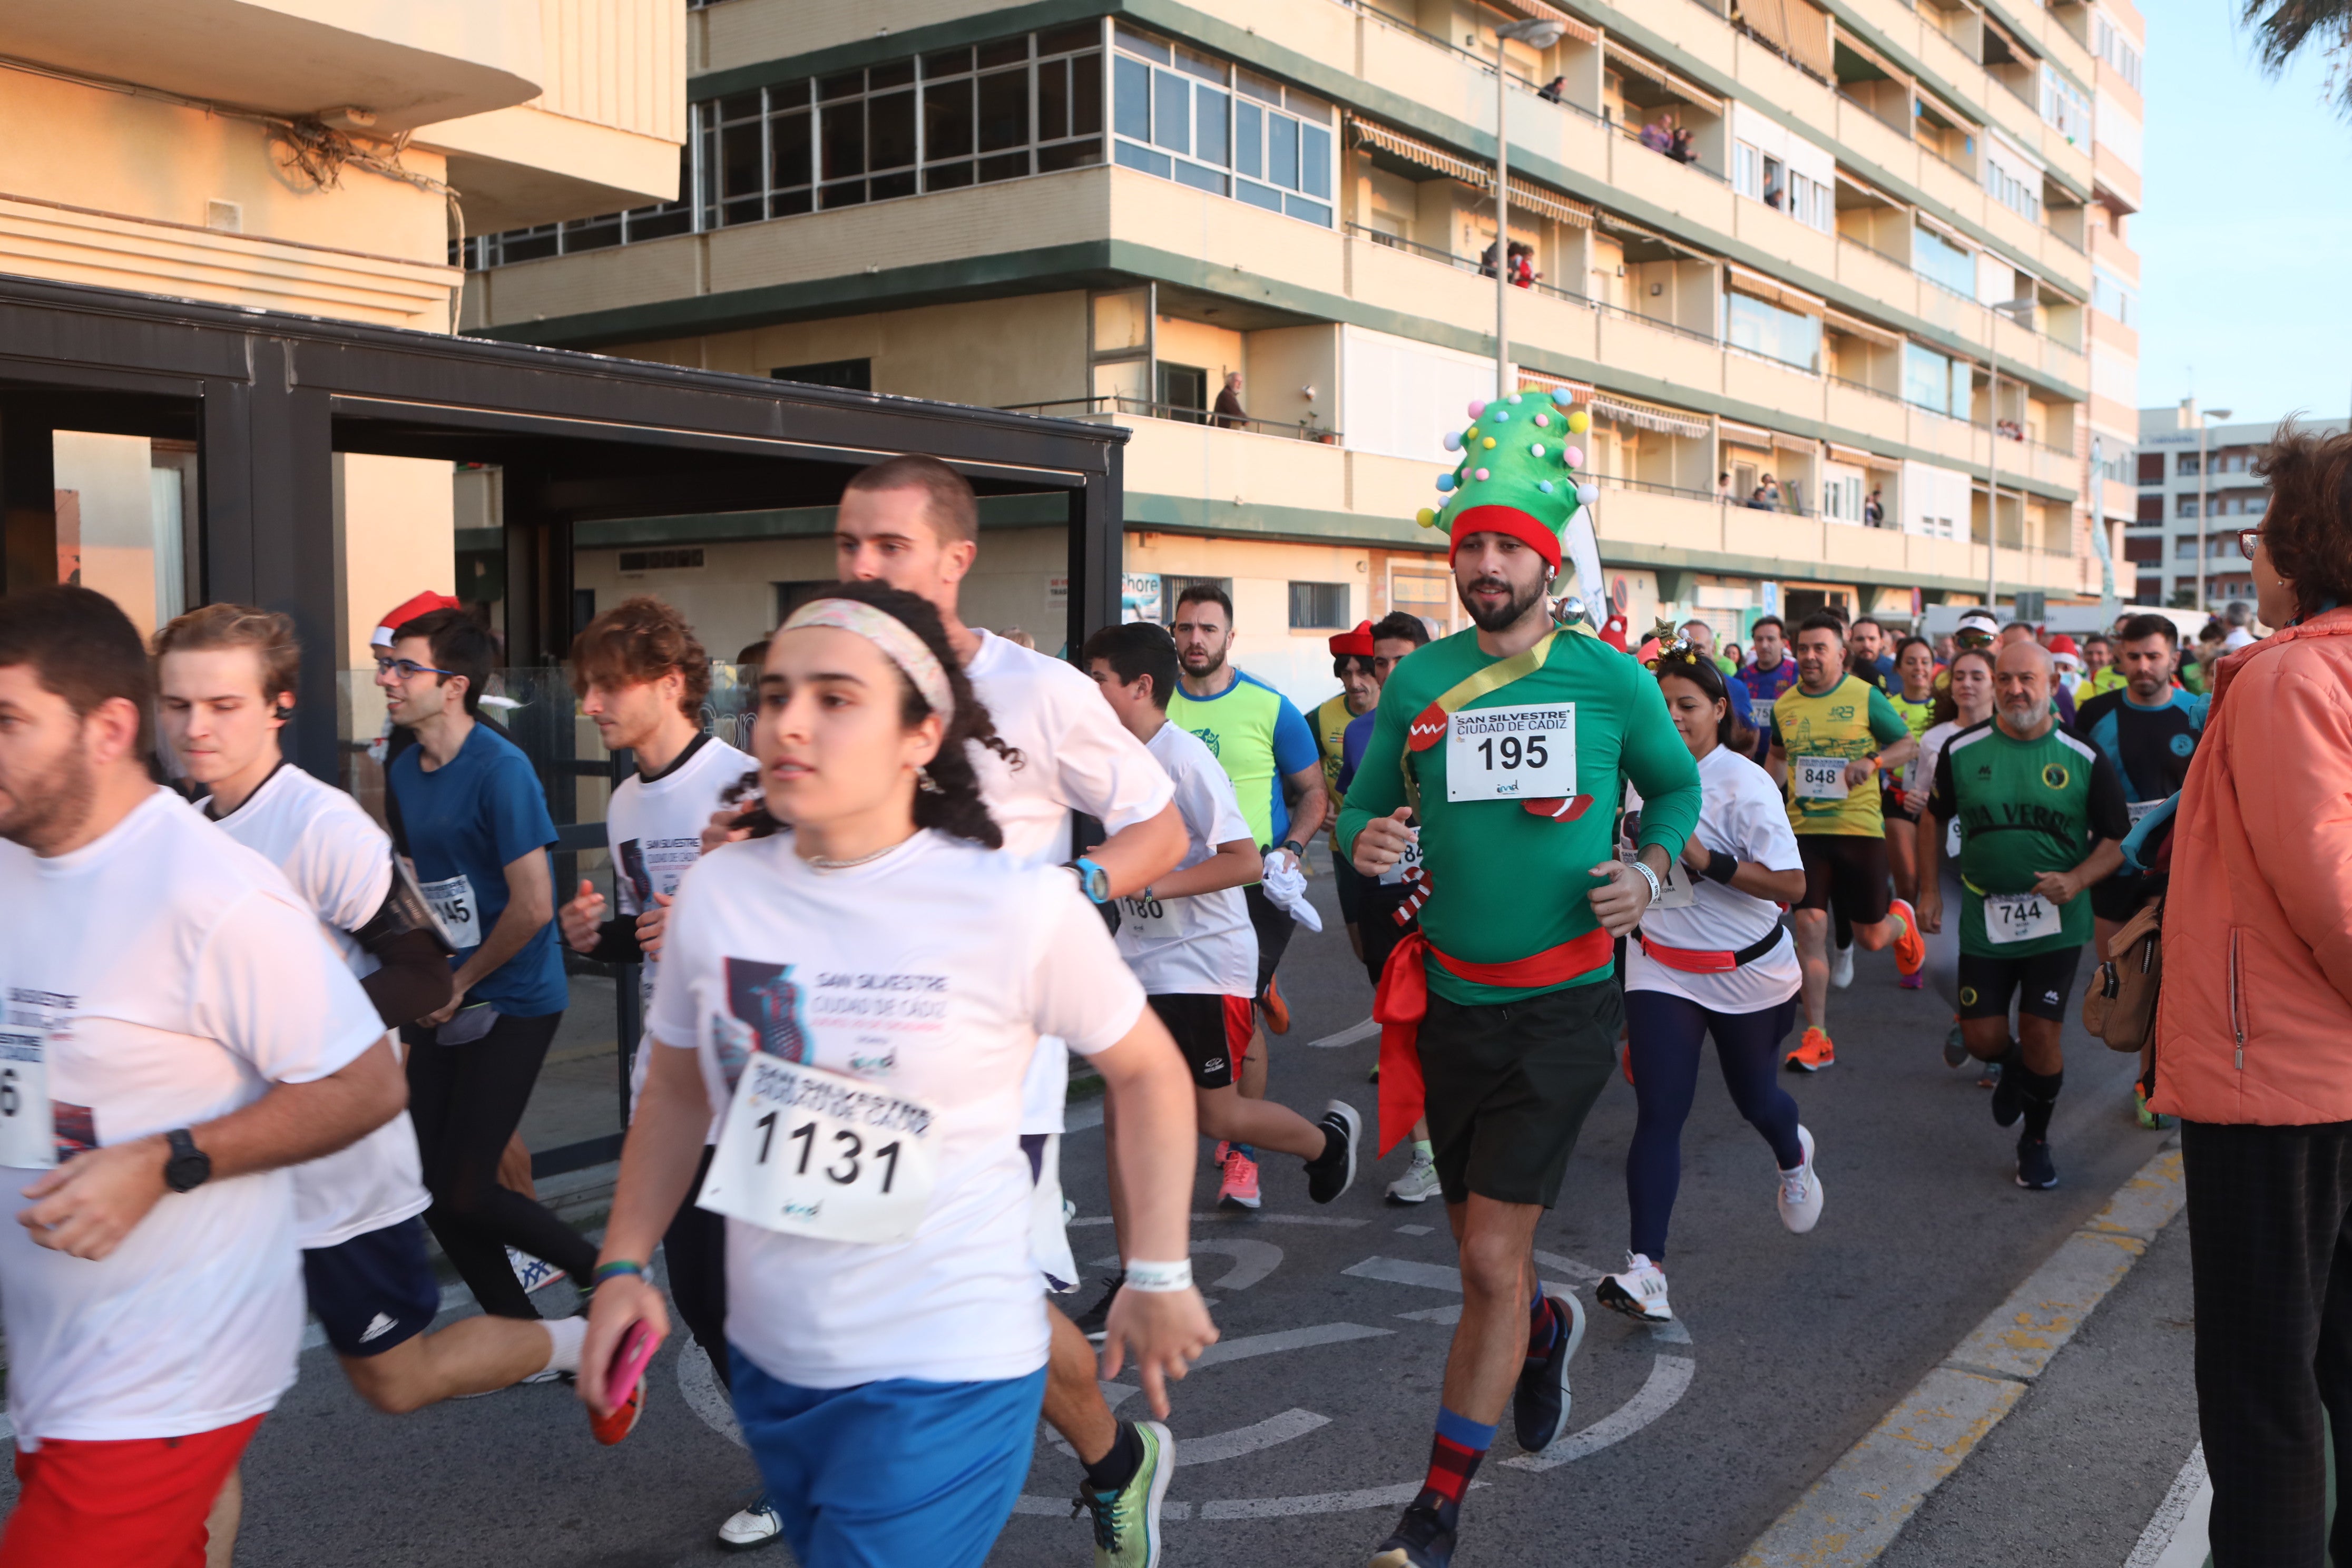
{"x": 1972, "y": 639}
{"x": 2247, "y": 538}
{"x": 408, "y": 668}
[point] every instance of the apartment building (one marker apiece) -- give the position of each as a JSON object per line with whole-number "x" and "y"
{"x": 1825, "y": 280}
{"x": 325, "y": 160}
{"x": 2194, "y": 494}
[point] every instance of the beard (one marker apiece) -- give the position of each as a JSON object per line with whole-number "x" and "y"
{"x": 53, "y": 804}
{"x": 2024, "y": 713}
{"x": 1492, "y": 620}
{"x": 1197, "y": 665}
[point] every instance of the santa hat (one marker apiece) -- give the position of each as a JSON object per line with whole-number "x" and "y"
{"x": 1517, "y": 473}
{"x": 1613, "y": 632}
{"x": 2063, "y": 644}
{"x": 1358, "y": 642}
{"x": 423, "y": 604}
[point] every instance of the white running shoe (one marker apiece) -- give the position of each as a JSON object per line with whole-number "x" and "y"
{"x": 1640, "y": 1292}
{"x": 1799, "y": 1197}
{"x": 1842, "y": 967}
{"x": 1419, "y": 1182}
{"x": 755, "y": 1525}
{"x": 534, "y": 1273}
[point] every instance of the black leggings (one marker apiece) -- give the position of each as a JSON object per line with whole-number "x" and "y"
{"x": 467, "y": 1101}
{"x": 1663, "y": 1032}
{"x": 696, "y": 1248}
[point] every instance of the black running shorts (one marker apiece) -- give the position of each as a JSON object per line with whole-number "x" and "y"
{"x": 1507, "y": 1087}
{"x": 1850, "y": 868}
{"x": 375, "y": 1291}
{"x": 1214, "y": 1033}
{"x": 2046, "y": 980}
{"x": 1273, "y": 925}
{"x": 1349, "y": 884}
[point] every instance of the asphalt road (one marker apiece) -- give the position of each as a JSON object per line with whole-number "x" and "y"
{"x": 1302, "y": 1437}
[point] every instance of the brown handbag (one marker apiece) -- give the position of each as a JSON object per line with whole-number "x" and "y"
{"x": 2119, "y": 1006}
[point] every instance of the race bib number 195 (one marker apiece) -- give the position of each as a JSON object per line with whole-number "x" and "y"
{"x": 1512, "y": 753}
{"x": 806, "y": 1152}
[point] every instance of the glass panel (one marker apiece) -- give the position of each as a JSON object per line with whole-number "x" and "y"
{"x": 1206, "y": 66}
{"x": 1069, "y": 156}
{"x": 592, "y": 234}
{"x": 1003, "y": 166}
{"x": 1249, "y": 139}
{"x": 848, "y": 84}
{"x": 1142, "y": 158}
{"x": 947, "y": 177}
{"x": 1062, "y": 40}
{"x": 1315, "y": 160}
{"x": 1257, "y": 87}
{"x": 946, "y": 62}
{"x": 738, "y": 160}
{"x": 1004, "y": 111}
{"x": 526, "y": 245}
{"x": 1085, "y": 98}
{"x": 889, "y": 185}
{"x": 1209, "y": 110}
{"x": 121, "y": 512}
{"x": 1199, "y": 178}
{"x": 740, "y": 106}
{"x": 1133, "y": 80}
{"x": 1004, "y": 53}
{"x": 1313, "y": 211}
{"x": 1258, "y": 195}
{"x": 891, "y": 131}
{"x": 791, "y": 95}
{"x": 1763, "y": 328}
{"x": 1053, "y": 100}
{"x": 899, "y": 73}
{"x": 1282, "y": 151}
{"x": 848, "y": 196}
{"x": 659, "y": 223}
{"x": 1926, "y": 378}
{"x": 1171, "y": 111}
{"x": 788, "y": 150}
{"x": 1150, "y": 48}
{"x": 785, "y": 203}
{"x": 947, "y": 119}
{"x": 749, "y": 209}
{"x": 844, "y": 140}
{"x": 1120, "y": 322}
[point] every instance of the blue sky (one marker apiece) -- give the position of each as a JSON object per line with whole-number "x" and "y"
{"x": 2245, "y": 242}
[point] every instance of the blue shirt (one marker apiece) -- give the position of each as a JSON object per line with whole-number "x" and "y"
{"x": 468, "y": 822}
{"x": 2150, "y": 747}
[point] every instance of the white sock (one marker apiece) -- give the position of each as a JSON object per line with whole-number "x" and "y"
{"x": 565, "y": 1336}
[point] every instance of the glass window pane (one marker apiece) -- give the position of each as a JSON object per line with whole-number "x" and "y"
{"x": 845, "y": 195}
{"x": 791, "y": 95}
{"x": 1062, "y": 40}
{"x": 738, "y": 160}
{"x": 660, "y": 223}
{"x": 750, "y": 209}
{"x": 790, "y": 202}
{"x": 1086, "y": 96}
{"x": 947, "y": 119}
{"x": 740, "y": 106}
{"x": 844, "y": 140}
{"x": 1313, "y": 211}
{"x": 1004, "y": 53}
{"x": 1005, "y": 166}
{"x": 1315, "y": 160}
{"x": 1249, "y": 139}
{"x": 1135, "y": 157}
{"x": 592, "y": 234}
{"x": 1206, "y": 66}
{"x": 897, "y": 73}
{"x": 1052, "y": 100}
{"x": 789, "y": 151}
{"x": 1199, "y": 178}
{"x": 1150, "y": 49}
{"x": 526, "y": 245}
{"x": 889, "y": 185}
{"x": 1134, "y": 98}
{"x": 848, "y": 84}
{"x": 891, "y": 131}
{"x": 1282, "y": 151}
{"x": 1258, "y": 195}
{"x": 947, "y": 177}
{"x": 1004, "y": 110}
{"x": 1171, "y": 111}
{"x": 946, "y": 62}
{"x": 1209, "y": 107}
{"x": 1069, "y": 156}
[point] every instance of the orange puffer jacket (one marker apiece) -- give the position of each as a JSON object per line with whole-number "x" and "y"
{"x": 2255, "y": 1021}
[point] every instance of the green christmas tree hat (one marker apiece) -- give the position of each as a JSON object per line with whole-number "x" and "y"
{"x": 1518, "y": 474}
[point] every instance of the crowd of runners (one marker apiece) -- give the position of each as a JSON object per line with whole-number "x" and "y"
{"x": 298, "y": 1061}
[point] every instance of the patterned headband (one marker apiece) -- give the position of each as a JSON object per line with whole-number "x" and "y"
{"x": 897, "y": 642}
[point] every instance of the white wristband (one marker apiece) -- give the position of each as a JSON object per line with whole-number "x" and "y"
{"x": 1161, "y": 1276}
{"x": 1656, "y": 890}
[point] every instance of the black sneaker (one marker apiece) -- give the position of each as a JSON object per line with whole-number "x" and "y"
{"x": 1421, "y": 1540}
{"x": 2035, "y": 1170}
{"x": 1335, "y": 1171}
{"x": 2009, "y": 1094}
{"x": 1090, "y": 1321}
{"x": 1956, "y": 1048}
{"x": 1539, "y": 1405}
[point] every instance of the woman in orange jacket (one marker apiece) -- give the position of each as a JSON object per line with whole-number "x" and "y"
{"x": 2254, "y": 1037}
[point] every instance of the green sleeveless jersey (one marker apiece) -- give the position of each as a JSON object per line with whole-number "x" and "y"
{"x": 2024, "y": 807}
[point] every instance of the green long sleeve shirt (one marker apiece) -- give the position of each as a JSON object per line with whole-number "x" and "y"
{"x": 1505, "y": 883}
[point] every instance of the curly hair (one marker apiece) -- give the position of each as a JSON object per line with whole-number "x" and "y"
{"x": 2308, "y": 528}
{"x": 953, "y": 805}
{"x": 1688, "y": 664}
{"x": 638, "y": 640}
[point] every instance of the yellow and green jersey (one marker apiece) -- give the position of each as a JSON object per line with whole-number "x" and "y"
{"x": 1853, "y": 719}
{"x": 1259, "y": 738}
{"x": 1329, "y": 721}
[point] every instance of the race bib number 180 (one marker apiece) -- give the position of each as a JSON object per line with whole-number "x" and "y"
{"x": 1512, "y": 753}
{"x": 2019, "y": 917}
{"x": 806, "y": 1152}
{"x": 1150, "y": 918}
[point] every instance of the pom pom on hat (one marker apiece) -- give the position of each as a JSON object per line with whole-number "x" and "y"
{"x": 1580, "y": 422}
{"x": 1425, "y": 517}
{"x": 1454, "y": 440}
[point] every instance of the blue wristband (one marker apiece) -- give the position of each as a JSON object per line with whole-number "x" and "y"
{"x": 615, "y": 1269}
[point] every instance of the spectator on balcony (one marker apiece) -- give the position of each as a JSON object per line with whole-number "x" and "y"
{"x": 1771, "y": 494}
{"x": 1523, "y": 264}
{"x": 1551, "y": 90}
{"x": 1230, "y": 414}
{"x": 1658, "y": 136}
{"x": 1682, "y": 150}
{"x": 1756, "y": 501}
{"x": 1772, "y": 195}
{"x": 1487, "y": 262}
{"x": 1723, "y": 487}
{"x": 1873, "y": 511}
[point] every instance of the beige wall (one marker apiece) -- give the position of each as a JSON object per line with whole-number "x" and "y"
{"x": 110, "y": 522}
{"x": 395, "y": 521}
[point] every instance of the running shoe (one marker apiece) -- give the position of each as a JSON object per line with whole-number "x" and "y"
{"x": 1800, "y": 1198}
{"x": 1813, "y": 1053}
{"x": 1239, "y": 1188}
{"x": 2009, "y": 1093}
{"x": 1417, "y": 1185}
{"x": 1421, "y": 1540}
{"x": 2154, "y": 1121}
{"x": 1640, "y": 1292}
{"x": 756, "y": 1526}
{"x": 1217, "y": 1155}
{"x": 1373, "y": 1076}
{"x": 1912, "y": 982}
{"x": 532, "y": 1273}
{"x": 1842, "y": 966}
{"x": 1910, "y": 948}
{"x": 611, "y": 1430}
{"x": 1335, "y": 1171}
{"x": 1277, "y": 1011}
{"x": 1990, "y": 1077}
{"x": 2035, "y": 1171}
{"x": 1956, "y": 1047}
{"x": 1090, "y": 1321}
{"x": 1126, "y": 1521}
{"x": 1540, "y": 1404}
{"x": 1625, "y": 1060}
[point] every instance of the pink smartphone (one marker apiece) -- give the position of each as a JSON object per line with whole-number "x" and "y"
{"x": 637, "y": 1347}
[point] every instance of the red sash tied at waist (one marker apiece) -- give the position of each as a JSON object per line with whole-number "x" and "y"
{"x": 1403, "y": 1001}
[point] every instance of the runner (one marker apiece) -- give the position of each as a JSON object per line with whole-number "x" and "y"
{"x": 1866, "y": 652}
{"x": 1351, "y": 661}
{"x": 2101, "y": 672}
{"x": 1504, "y": 1005}
{"x": 177, "y": 1035}
{"x": 1912, "y": 697}
{"x": 1831, "y": 736}
{"x": 2043, "y": 818}
{"x": 877, "y": 973}
{"x": 1711, "y": 958}
{"x": 1964, "y": 702}
{"x": 1188, "y": 936}
{"x": 1268, "y": 752}
{"x": 479, "y": 834}
{"x": 914, "y": 523}
{"x": 641, "y": 675}
{"x": 1770, "y": 673}
{"x": 2148, "y": 732}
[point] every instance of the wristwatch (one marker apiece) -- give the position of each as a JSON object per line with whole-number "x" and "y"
{"x": 1093, "y": 881}
{"x": 189, "y": 1166}
{"x": 1297, "y": 851}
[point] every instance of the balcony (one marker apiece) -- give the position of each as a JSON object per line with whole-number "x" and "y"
{"x": 1111, "y": 408}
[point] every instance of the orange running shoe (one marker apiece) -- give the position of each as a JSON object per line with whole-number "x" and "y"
{"x": 1813, "y": 1053}
{"x": 610, "y": 1429}
{"x": 1277, "y": 1011}
{"x": 1626, "y": 1053}
{"x": 1910, "y": 948}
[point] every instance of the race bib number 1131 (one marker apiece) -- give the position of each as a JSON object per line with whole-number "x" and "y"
{"x": 807, "y": 1152}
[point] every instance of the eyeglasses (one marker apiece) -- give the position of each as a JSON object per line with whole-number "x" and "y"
{"x": 2247, "y": 538}
{"x": 408, "y": 668}
{"x": 1972, "y": 639}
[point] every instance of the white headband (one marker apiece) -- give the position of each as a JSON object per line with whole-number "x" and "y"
{"x": 897, "y": 642}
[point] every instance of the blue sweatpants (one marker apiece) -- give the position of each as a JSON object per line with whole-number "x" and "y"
{"x": 1663, "y": 1033}
{"x": 897, "y": 1474}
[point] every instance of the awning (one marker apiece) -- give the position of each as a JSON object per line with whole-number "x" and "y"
{"x": 1537, "y": 9}
{"x": 1544, "y": 381}
{"x": 1837, "y": 320}
{"x": 1859, "y": 458}
{"x": 1650, "y": 416}
{"x": 1746, "y": 435}
{"x": 1867, "y": 189}
{"x": 1847, "y": 36}
{"x": 1774, "y": 290}
{"x": 1624, "y": 58}
{"x": 1947, "y": 231}
{"x": 1787, "y": 442}
{"x": 1536, "y": 199}
{"x": 1414, "y": 150}
{"x": 1627, "y": 226}
{"x": 1797, "y": 28}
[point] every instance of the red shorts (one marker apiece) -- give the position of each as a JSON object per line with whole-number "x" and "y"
{"x": 139, "y": 1503}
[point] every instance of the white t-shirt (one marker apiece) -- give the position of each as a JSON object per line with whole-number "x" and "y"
{"x": 339, "y": 861}
{"x": 1075, "y": 756}
{"x": 933, "y": 972}
{"x": 653, "y": 829}
{"x": 174, "y": 976}
{"x": 1741, "y": 814}
{"x": 1931, "y": 751}
{"x": 1204, "y": 944}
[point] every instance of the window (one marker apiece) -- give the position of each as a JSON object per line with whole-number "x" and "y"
{"x": 853, "y": 374}
{"x": 1184, "y": 391}
{"x": 2184, "y": 465}
{"x": 2065, "y": 107}
{"x": 1172, "y": 589}
{"x": 2151, "y": 468}
{"x": 2151, "y": 508}
{"x": 684, "y": 560}
{"x": 1316, "y": 604}
{"x": 1936, "y": 381}
{"x": 2184, "y": 506}
{"x": 1766, "y": 329}
{"x": 2114, "y": 297}
{"x": 1192, "y": 118}
{"x": 1429, "y": 595}
{"x": 2021, "y": 196}
{"x": 1813, "y": 204}
{"x": 1746, "y": 171}
{"x": 2114, "y": 45}
{"x": 1940, "y": 261}
{"x": 655, "y": 222}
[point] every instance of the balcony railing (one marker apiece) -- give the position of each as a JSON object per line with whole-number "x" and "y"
{"x": 1861, "y": 387}
{"x": 1632, "y": 133}
{"x": 1465, "y": 264}
{"x": 1111, "y": 405}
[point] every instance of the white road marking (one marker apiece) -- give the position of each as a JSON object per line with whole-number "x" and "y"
{"x": 1314, "y": 1502}
{"x": 2176, "y": 1536}
{"x": 1287, "y": 1340}
{"x": 1437, "y": 1276}
{"x": 1669, "y": 1379}
{"x": 1253, "y": 1261}
{"x": 1449, "y": 1316}
{"x": 1582, "y": 1273}
{"x": 1329, "y": 1222}
{"x": 1233, "y": 1445}
{"x": 700, "y": 1382}
{"x": 1415, "y": 1229}
{"x": 1366, "y": 1030}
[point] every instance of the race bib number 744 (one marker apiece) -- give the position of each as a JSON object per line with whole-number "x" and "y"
{"x": 2019, "y": 917}
{"x": 806, "y": 1152}
{"x": 1512, "y": 753}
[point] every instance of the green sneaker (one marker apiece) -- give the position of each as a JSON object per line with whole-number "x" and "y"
{"x": 1127, "y": 1522}
{"x": 2153, "y": 1120}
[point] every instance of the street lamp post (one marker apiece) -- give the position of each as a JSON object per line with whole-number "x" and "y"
{"x": 1540, "y": 35}
{"x": 2205, "y": 418}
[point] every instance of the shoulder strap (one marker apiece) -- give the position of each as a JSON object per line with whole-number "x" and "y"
{"x": 1493, "y": 678}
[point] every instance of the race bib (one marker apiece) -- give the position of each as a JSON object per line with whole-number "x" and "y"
{"x": 455, "y": 911}
{"x": 2139, "y": 810}
{"x": 1407, "y": 863}
{"x": 1155, "y": 919}
{"x": 28, "y": 1131}
{"x": 2019, "y": 916}
{"x": 806, "y": 1152}
{"x": 1512, "y": 753}
{"x": 1818, "y": 778}
{"x": 1760, "y": 710}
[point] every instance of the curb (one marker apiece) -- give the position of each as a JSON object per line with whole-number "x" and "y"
{"x": 1856, "y": 1510}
